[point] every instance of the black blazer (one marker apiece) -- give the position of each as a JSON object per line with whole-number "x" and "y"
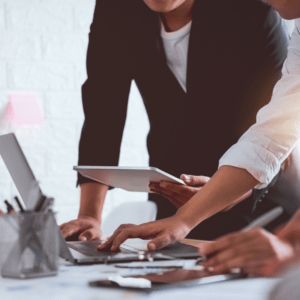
{"x": 236, "y": 51}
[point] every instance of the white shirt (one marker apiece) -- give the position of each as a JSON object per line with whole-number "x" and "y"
{"x": 266, "y": 144}
{"x": 176, "y": 46}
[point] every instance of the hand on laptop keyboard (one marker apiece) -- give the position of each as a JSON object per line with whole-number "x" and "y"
{"x": 162, "y": 232}
{"x": 84, "y": 228}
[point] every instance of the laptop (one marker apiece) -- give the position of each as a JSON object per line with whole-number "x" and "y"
{"x": 80, "y": 252}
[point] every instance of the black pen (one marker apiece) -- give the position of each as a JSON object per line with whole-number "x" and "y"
{"x": 40, "y": 203}
{"x": 19, "y": 204}
{"x": 9, "y": 207}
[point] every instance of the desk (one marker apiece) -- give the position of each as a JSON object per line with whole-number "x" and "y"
{"x": 72, "y": 284}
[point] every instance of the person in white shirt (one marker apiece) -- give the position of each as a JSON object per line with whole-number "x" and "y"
{"x": 251, "y": 163}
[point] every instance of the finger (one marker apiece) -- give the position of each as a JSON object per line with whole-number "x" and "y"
{"x": 228, "y": 241}
{"x": 196, "y": 181}
{"x": 259, "y": 269}
{"x": 1, "y": 212}
{"x": 88, "y": 235}
{"x": 159, "y": 242}
{"x": 170, "y": 188}
{"x": 110, "y": 240}
{"x": 181, "y": 193}
{"x": 263, "y": 270}
{"x": 248, "y": 253}
{"x": 133, "y": 232}
{"x": 62, "y": 226}
{"x": 240, "y": 261}
{"x": 159, "y": 192}
{"x": 175, "y": 190}
{"x": 69, "y": 230}
{"x": 225, "y": 255}
{"x": 153, "y": 185}
{"x": 219, "y": 245}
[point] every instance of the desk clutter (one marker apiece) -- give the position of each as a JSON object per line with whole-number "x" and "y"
{"x": 71, "y": 283}
{"x": 29, "y": 240}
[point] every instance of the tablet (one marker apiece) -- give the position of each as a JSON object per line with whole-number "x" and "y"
{"x": 133, "y": 179}
{"x": 168, "y": 279}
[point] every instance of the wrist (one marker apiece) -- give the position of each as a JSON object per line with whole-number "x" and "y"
{"x": 184, "y": 219}
{"x": 89, "y": 216}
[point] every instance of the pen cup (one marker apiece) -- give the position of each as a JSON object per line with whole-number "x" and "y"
{"x": 29, "y": 245}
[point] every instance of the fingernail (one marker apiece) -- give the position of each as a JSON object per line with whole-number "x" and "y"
{"x": 210, "y": 269}
{"x": 83, "y": 238}
{"x": 163, "y": 184}
{"x": 151, "y": 247}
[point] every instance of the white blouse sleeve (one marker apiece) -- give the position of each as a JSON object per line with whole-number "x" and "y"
{"x": 267, "y": 143}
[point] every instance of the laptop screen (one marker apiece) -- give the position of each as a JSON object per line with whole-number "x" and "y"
{"x": 19, "y": 170}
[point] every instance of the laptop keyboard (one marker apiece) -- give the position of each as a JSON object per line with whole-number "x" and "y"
{"x": 90, "y": 248}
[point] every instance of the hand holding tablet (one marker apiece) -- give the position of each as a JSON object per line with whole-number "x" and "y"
{"x": 134, "y": 179}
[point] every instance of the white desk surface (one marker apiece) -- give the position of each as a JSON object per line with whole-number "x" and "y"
{"x": 71, "y": 283}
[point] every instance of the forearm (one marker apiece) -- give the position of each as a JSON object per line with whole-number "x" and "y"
{"x": 92, "y": 197}
{"x": 224, "y": 188}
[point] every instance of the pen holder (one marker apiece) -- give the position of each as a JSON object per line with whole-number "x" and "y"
{"x": 29, "y": 245}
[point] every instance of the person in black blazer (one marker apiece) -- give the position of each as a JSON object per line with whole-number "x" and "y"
{"x": 235, "y": 53}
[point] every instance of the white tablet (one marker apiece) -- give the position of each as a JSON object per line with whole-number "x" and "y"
{"x": 134, "y": 179}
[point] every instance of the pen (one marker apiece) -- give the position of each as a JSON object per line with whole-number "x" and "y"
{"x": 265, "y": 218}
{"x": 9, "y": 207}
{"x": 47, "y": 204}
{"x": 40, "y": 203}
{"x": 19, "y": 204}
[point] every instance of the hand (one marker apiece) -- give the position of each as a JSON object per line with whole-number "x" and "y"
{"x": 291, "y": 231}
{"x": 256, "y": 252}
{"x": 289, "y": 264}
{"x": 162, "y": 233}
{"x": 88, "y": 228}
{"x": 180, "y": 194}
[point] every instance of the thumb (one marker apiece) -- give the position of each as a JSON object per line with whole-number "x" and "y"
{"x": 85, "y": 236}
{"x": 159, "y": 243}
{"x": 196, "y": 181}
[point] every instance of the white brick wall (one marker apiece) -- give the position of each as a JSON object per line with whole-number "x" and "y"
{"x": 43, "y": 51}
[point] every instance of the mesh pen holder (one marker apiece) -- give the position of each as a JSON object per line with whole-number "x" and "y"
{"x": 29, "y": 245}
